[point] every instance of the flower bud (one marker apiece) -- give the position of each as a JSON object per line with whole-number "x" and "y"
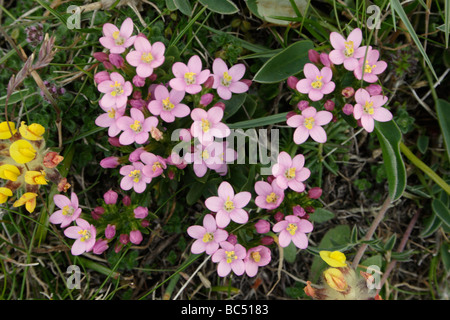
{"x": 278, "y": 216}
{"x": 52, "y": 159}
{"x": 232, "y": 238}
{"x": 267, "y": 240}
{"x": 110, "y": 231}
{"x": 206, "y": 99}
{"x": 138, "y": 81}
{"x": 110, "y": 197}
{"x": 374, "y": 89}
{"x": 101, "y": 56}
{"x": 135, "y": 237}
{"x": 299, "y": 211}
{"x": 100, "y": 246}
{"x": 124, "y": 238}
{"x": 109, "y": 162}
{"x": 248, "y": 82}
{"x": 325, "y": 59}
{"x": 262, "y": 226}
{"x": 114, "y": 141}
{"x": 97, "y": 213}
{"x": 348, "y": 92}
{"x": 302, "y": 105}
{"x": 116, "y": 60}
{"x": 136, "y": 155}
{"x": 315, "y": 193}
{"x": 292, "y": 82}
{"x": 140, "y": 212}
{"x": 156, "y": 134}
{"x": 220, "y": 105}
{"x": 209, "y": 82}
{"x": 145, "y": 223}
{"x": 101, "y": 76}
{"x": 313, "y": 56}
{"x": 290, "y": 114}
{"x": 347, "y": 109}
{"x": 126, "y": 201}
{"x": 329, "y": 105}
{"x": 335, "y": 279}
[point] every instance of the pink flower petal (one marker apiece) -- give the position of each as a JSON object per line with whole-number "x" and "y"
{"x": 126, "y": 29}
{"x": 311, "y": 71}
{"x": 337, "y": 41}
{"x": 195, "y": 64}
{"x": 219, "y": 67}
{"x": 214, "y": 203}
{"x": 382, "y": 114}
{"x": 367, "y": 122}
{"x": 300, "y": 240}
{"x": 295, "y": 121}
{"x": 238, "y": 87}
{"x": 237, "y": 72}
{"x": 301, "y": 134}
{"x": 239, "y": 216}
{"x": 284, "y": 239}
{"x": 318, "y": 134}
{"x": 142, "y": 45}
{"x": 198, "y": 246}
{"x": 315, "y": 95}
{"x": 196, "y": 232}
{"x": 323, "y": 118}
{"x": 223, "y": 219}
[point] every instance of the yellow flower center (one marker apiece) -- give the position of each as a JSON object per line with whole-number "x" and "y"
{"x": 318, "y": 83}
{"x": 156, "y": 166}
{"x": 271, "y": 198}
{"x": 167, "y": 105}
{"x": 368, "y": 68}
{"x": 136, "y": 175}
{"x": 290, "y": 173}
{"x": 292, "y": 228}
{"x": 147, "y": 57}
{"x": 208, "y": 237}
{"x": 189, "y": 77}
{"x": 226, "y": 79}
{"x": 349, "y": 49}
{"x": 205, "y": 125}
{"x": 255, "y": 256}
{"x": 368, "y": 107}
{"x": 117, "y": 89}
{"x": 229, "y": 205}
{"x": 231, "y": 256}
{"x": 85, "y": 235}
{"x": 205, "y": 155}
{"x": 117, "y": 38}
{"x": 112, "y": 113}
{"x": 67, "y": 211}
{"x": 136, "y": 126}
{"x": 309, "y": 123}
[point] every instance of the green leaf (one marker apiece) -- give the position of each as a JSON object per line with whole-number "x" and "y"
{"x": 184, "y": 6}
{"x": 432, "y": 223}
{"x": 441, "y": 210}
{"x": 232, "y": 105}
{"x": 445, "y": 256}
{"x": 290, "y": 253}
{"x": 195, "y": 193}
{"x": 220, "y": 6}
{"x": 170, "y": 4}
{"x": 390, "y": 243}
{"x": 443, "y": 114}
{"x": 397, "y": 7}
{"x": 288, "y": 62}
{"x": 260, "y": 122}
{"x": 15, "y": 97}
{"x": 321, "y": 215}
{"x": 390, "y": 137}
{"x": 376, "y": 260}
{"x": 422, "y": 143}
{"x": 270, "y": 10}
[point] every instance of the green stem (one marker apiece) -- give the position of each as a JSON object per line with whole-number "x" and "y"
{"x": 426, "y": 169}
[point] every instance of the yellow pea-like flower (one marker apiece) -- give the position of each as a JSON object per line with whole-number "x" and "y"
{"x": 5, "y": 133}
{"x": 9, "y": 172}
{"x": 334, "y": 259}
{"x": 22, "y": 151}
{"x": 4, "y": 194}
{"x": 32, "y": 132}
{"x": 335, "y": 279}
{"x": 28, "y": 199}
{"x": 35, "y": 177}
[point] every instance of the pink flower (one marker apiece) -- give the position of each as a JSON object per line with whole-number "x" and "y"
{"x": 226, "y": 81}
{"x": 101, "y": 76}
{"x": 167, "y": 105}
{"x": 110, "y": 231}
{"x": 189, "y": 77}
{"x": 69, "y": 210}
{"x": 154, "y": 164}
{"x": 116, "y": 91}
{"x": 100, "y": 246}
{"x": 135, "y": 237}
{"x": 140, "y": 212}
{"x": 110, "y": 197}
{"x": 315, "y": 193}
{"x": 118, "y": 40}
{"x": 371, "y": 67}
{"x": 317, "y": 82}
{"x": 109, "y": 162}
{"x": 84, "y": 233}
{"x": 229, "y": 205}
{"x": 309, "y": 124}
{"x": 269, "y": 196}
{"x": 262, "y": 226}
{"x": 230, "y": 257}
{"x": 369, "y": 108}
{"x": 134, "y": 177}
{"x": 109, "y": 118}
{"x": 347, "y": 51}
{"x": 146, "y": 56}
{"x": 207, "y": 237}
{"x": 290, "y": 172}
{"x": 203, "y": 158}
{"x": 256, "y": 257}
{"x": 135, "y": 128}
{"x": 223, "y": 155}
{"x": 207, "y": 125}
{"x": 347, "y": 109}
{"x": 294, "y": 229}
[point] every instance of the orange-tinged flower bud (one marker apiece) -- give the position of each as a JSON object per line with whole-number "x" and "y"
{"x": 52, "y": 159}
{"x": 5, "y": 133}
{"x": 4, "y": 194}
{"x": 22, "y": 151}
{"x": 156, "y": 134}
{"x": 9, "y": 172}
{"x": 335, "y": 279}
{"x": 28, "y": 199}
{"x": 63, "y": 186}
{"x": 32, "y": 132}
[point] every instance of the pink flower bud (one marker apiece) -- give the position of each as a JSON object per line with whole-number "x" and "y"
{"x": 347, "y": 109}
{"x": 110, "y": 231}
{"x": 140, "y": 212}
{"x": 262, "y": 226}
{"x": 118, "y": 247}
{"x": 302, "y": 105}
{"x": 153, "y": 77}
{"x": 313, "y": 56}
{"x": 290, "y": 114}
{"x": 298, "y": 211}
{"x": 138, "y": 81}
{"x": 109, "y": 162}
{"x": 110, "y": 197}
{"x": 100, "y": 246}
{"x": 171, "y": 174}
{"x": 145, "y": 223}
{"x": 374, "y": 89}
{"x": 270, "y": 179}
{"x": 124, "y": 238}
{"x": 137, "y": 103}
{"x": 97, "y": 213}
{"x": 292, "y": 82}
{"x": 101, "y": 56}
{"x": 114, "y": 141}
{"x": 232, "y": 239}
{"x": 267, "y": 240}
{"x": 310, "y": 209}
{"x": 248, "y": 82}
{"x": 136, "y": 155}
{"x": 135, "y": 237}
{"x": 206, "y": 99}
{"x": 348, "y": 92}
{"x": 126, "y": 201}
{"x": 108, "y": 65}
{"x": 116, "y": 60}
{"x": 325, "y": 60}
{"x": 220, "y": 104}
{"x": 209, "y": 83}
{"x": 315, "y": 193}
{"x": 278, "y": 216}
{"x": 101, "y": 76}
{"x": 329, "y": 105}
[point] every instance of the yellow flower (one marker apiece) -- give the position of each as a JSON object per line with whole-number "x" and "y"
{"x": 22, "y": 151}
{"x": 35, "y": 177}
{"x": 32, "y": 132}
{"x": 9, "y": 172}
{"x": 5, "y": 133}
{"x": 335, "y": 259}
{"x": 335, "y": 279}
{"x": 4, "y": 194}
{"x": 28, "y": 199}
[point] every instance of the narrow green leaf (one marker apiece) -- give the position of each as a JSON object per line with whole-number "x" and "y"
{"x": 220, "y": 6}
{"x": 184, "y": 6}
{"x": 264, "y": 121}
{"x": 443, "y": 114}
{"x": 441, "y": 210}
{"x": 288, "y": 62}
{"x": 447, "y": 22}
{"x": 445, "y": 256}
{"x": 432, "y": 223}
{"x": 390, "y": 137}
{"x": 15, "y": 97}
{"x": 232, "y": 105}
